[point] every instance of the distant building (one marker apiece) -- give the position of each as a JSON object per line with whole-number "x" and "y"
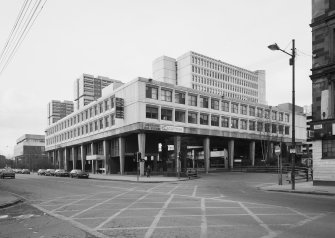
{"x": 88, "y": 88}
{"x": 29, "y": 152}
{"x": 209, "y": 75}
{"x": 57, "y": 110}
{"x": 323, "y": 91}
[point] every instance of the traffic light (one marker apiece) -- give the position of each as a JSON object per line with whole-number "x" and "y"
{"x": 179, "y": 155}
{"x": 139, "y": 156}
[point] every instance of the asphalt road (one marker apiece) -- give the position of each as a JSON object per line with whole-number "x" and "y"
{"x": 217, "y": 205}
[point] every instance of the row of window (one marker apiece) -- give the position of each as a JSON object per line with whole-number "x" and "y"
{"x": 222, "y": 68}
{"x": 223, "y": 77}
{"x": 224, "y": 93}
{"x": 94, "y": 110}
{"x": 101, "y": 123}
{"x": 166, "y": 114}
{"x": 213, "y": 103}
{"x": 222, "y": 85}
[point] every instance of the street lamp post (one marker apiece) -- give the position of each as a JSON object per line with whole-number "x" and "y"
{"x": 292, "y": 62}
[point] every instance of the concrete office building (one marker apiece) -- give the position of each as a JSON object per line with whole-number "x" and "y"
{"x": 29, "y": 152}
{"x": 88, "y": 88}
{"x": 168, "y": 123}
{"x": 58, "y": 109}
{"x": 323, "y": 92}
{"x": 197, "y": 71}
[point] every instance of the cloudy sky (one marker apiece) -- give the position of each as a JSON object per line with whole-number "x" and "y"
{"x": 120, "y": 39}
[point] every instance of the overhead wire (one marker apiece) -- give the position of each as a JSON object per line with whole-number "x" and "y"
{"x": 29, "y": 22}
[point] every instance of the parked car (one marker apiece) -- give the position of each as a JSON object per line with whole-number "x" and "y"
{"x": 78, "y": 173}
{"x": 41, "y": 172}
{"x": 61, "y": 173}
{"x": 25, "y": 171}
{"x": 7, "y": 173}
{"x": 50, "y": 172}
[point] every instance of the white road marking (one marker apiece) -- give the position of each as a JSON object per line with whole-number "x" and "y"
{"x": 203, "y": 219}
{"x": 271, "y": 233}
{"x": 119, "y": 212}
{"x": 153, "y": 225}
{"x": 175, "y": 188}
{"x": 195, "y": 190}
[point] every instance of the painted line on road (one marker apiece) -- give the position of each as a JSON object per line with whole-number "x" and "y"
{"x": 174, "y": 189}
{"x": 195, "y": 190}
{"x": 119, "y": 212}
{"x": 150, "y": 189}
{"x": 271, "y": 233}
{"x": 98, "y": 204}
{"x": 153, "y": 225}
{"x": 203, "y": 225}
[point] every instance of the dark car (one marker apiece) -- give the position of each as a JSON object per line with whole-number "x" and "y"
{"x": 25, "y": 171}
{"x": 50, "y": 172}
{"x": 7, "y": 173}
{"x": 41, "y": 172}
{"x": 61, "y": 173}
{"x": 78, "y": 173}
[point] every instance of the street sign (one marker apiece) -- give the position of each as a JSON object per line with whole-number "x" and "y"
{"x": 292, "y": 151}
{"x": 277, "y": 150}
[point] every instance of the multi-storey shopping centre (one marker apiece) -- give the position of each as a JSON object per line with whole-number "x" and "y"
{"x": 167, "y": 123}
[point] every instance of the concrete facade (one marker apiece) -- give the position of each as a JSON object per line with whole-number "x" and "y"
{"x": 174, "y": 127}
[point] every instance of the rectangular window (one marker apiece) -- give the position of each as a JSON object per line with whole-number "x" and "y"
{"x": 287, "y": 130}
{"x": 166, "y": 114}
{"x": 96, "y": 125}
{"x": 95, "y": 111}
{"x": 260, "y": 112}
{"x": 101, "y": 123}
{"x": 151, "y": 112}
{"x": 179, "y": 116}
{"x": 281, "y": 118}
{"x": 91, "y": 114}
{"x": 86, "y": 128}
{"x": 203, "y": 119}
{"x": 101, "y": 109}
{"x": 328, "y": 149}
{"x": 151, "y": 92}
{"x": 106, "y": 105}
{"x": 91, "y": 127}
{"x": 193, "y": 117}
{"x": 259, "y": 126}
{"x": 166, "y": 95}
{"x": 251, "y": 111}
{"x": 244, "y": 125}
{"x": 225, "y": 106}
{"x": 106, "y": 122}
{"x": 287, "y": 118}
{"x": 234, "y": 108}
{"x": 225, "y": 122}
{"x": 234, "y": 123}
{"x": 244, "y": 109}
{"x": 179, "y": 97}
{"x": 274, "y": 115}
{"x": 267, "y": 114}
{"x": 112, "y": 119}
{"x": 192, "y": 100}
{"x": 86, "y": 114}
{"x": 215, "y": 104}
{"x": 281, "y": 129}
{"x": 112, "y": 102}
{"x": 252, "y": 125}
{"x": 215, "y": 120}
{"x": 267, "y": 127}
{"x": 274, "y": 128}
{"x": 203, "y": 102}
{"x": 82, "y": 130}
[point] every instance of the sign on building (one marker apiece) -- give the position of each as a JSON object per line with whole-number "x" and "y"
{"x": 119, "y": 108}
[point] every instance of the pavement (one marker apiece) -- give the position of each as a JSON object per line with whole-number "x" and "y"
{"x": 7, "y": 199}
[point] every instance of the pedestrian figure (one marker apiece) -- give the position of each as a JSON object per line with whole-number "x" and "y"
{"x": 148, "y": 171}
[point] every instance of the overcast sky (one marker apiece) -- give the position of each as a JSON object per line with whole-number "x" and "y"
{"x": 120, "y": 39}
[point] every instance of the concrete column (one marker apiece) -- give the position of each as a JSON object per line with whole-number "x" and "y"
{"x": 270, "y": 150}
{"x": 59, "y": 158}
{"x": 106, "y": 155}
{"x": 74, "y": 157}
{"x": 252, "y": 152}
{"x": 177, "y": 145}
{"x": 92, "y": 161}
{"x": 231, "y": 153}
{"x": 54, "y": 159}
{"x": 122, "y": 153}
{"x": 83, "y": 157}
{"x": 66, "y": 158}
{"x": 207, "y": 152}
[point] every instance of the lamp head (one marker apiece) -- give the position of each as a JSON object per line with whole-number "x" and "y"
{"x": 274, "y": 47}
